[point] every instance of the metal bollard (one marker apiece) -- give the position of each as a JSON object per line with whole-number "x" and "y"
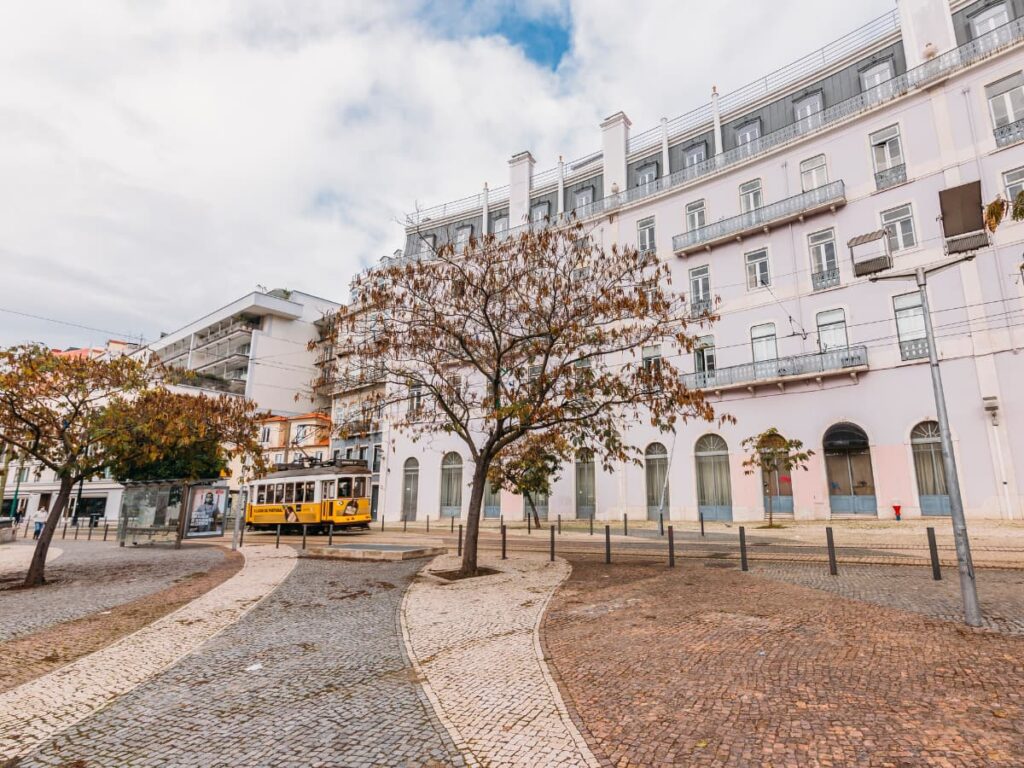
{"x": 88, "y": 536}
{"x": 64, "y": 534}
{"x": 428, "y": 523}
{"x": 382, "y": 522}
{"x": 106, "y": 529}
{"x": 743, "y": 549}
{"x": 661, "y": 524}
{"x": 933, "y": 551}
{"x": 405, "y": 525}
{"x": 832, "y": 569}
{"x": 330, "y": 534}
{"x": 701, "y": 516}
{"x": 671, "y": 548}
{"x": 460, "y": 538}
{"x": 303, "y": 535}
{"x": 76, "y": 527}
{"x": 559, "y": 523}
{"x": 529, "y": 523}
{"x": 503, "y": 550}
{"x": 552, "y": 558}
{"x": 453, "y": 525}
{"x": 591, "y": 525}
{"x": 625, "y": 525}
{"x": 607, "y": 544}
{"x": 277, "y": 543}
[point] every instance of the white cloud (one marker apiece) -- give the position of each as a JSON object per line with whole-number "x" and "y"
{"x": 159, "y": 159}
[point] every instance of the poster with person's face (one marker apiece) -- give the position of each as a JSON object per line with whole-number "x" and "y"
{"x": 206, "y": 512}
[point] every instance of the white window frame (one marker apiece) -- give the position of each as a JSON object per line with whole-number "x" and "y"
{"x": 704, "y": 355}
{"x": 427, "y": 243}
{"x": 830, "y": 322}
{"x": 645, "y": 235}
{"x": 500, "y": 225}
{"x": 696, "y": 215}
{"x": 751, "y": 195}
{"x": 800, "y": 110}
{"x": 871, "y": 77}
{"x": 646, "y": 174}
{"x": 583, "y": 197}
{"x": 264, "y": 434}
{"x": 817, "y": 247}
{"x": 700, "y": 276}
{"x": 748, "y": 133}
{"x": 909, "y": 323}
{"x": 757, "y": 268}
{"x": 813, "y": 173}
{"x": 462, "y": 237}
{"x": 763, "y": 333}
{"x": 898, "y": 235}
{"x": 886, "y": 148}
{"x": 1013, "y": 108}
{"x": 539, "y": 212}
{"x": 988, "y": 19}
{"x": 1013, "y": 182}
{"x": 651, "y": 356}
{"x": 690, "y": 155}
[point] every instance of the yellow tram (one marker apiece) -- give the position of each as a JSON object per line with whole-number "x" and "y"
{"x": 314, "y": 496}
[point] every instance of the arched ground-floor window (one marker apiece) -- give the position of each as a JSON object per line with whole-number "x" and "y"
{"x": 492, "y": 502}
{"x": 410, "y": 488}
{"x": 714, "y": 491}
{"x": 451, "y": 485}
{"x": 926, "y": 443}
{"x": 656, "y": 476}
{"x": 851, "y": 483}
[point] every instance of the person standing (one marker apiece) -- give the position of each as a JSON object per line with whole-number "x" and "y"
{"x": 39, "y": 518}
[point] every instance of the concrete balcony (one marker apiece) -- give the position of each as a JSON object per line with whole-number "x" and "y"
{"x": 226, "y": 331}
{"x": 1007, "y": 135}
{"x": 891, "y": 177}
{"x": 821, "y": 200}
{"x": 835, "y": 362}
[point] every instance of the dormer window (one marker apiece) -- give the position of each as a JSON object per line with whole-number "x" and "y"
{"x": 462, "y": 237}
{"x": 427, "y": 243}
{"x": 876, "y": 74}
{"x": 698, "y": 153}
{"x": 808, "y": 106}
{"x": 583, "y": 197}
{"x": 989, "y": 19}
{"x": 748, "y": 132}
{"x": 646, "y": 174}
{"x": 539, "y": 212}
{"x": 501, "y": 225}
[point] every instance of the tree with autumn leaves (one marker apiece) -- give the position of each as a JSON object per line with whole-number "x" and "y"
{"x": 535, "y": 336}
{"x": 79, "y": 417}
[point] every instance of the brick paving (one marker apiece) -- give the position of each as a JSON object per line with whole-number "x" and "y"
{"x": 475, "y": 643}
{"x": 1001, "y": 592}
{"x": 90, "y": 577}
{"x": 709, "y": 666}
{"x": 43, "y": 707}
{"x": 315, "y": 675}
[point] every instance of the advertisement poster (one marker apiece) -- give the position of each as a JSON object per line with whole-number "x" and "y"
{"x": 206, "y": 512}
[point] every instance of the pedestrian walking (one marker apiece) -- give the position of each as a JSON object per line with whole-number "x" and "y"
{"x": 39, "y": 518}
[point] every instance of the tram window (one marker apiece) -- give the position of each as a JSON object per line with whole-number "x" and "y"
{"x": 360, "y": 490}
{"x": 279, "y": 493}
{"x": 327, "y": 489}
{"x": 261, "y": 494}
{"x": 310, "y": 490}
{"x": 300, "y": 493}
{"x": 345, "y": 488}
{"x": 289, "y": 493}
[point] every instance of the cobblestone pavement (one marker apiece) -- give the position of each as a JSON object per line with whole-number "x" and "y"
{"x": 315, "y": 675}
{"x": 710, "y": 666}
{"x": 16, "y": 556}
{"x": 93, "y": 576}
{"x": 475, "y": 642}
{"x": 42, "y": 708}
{"x": 912, "y": 589}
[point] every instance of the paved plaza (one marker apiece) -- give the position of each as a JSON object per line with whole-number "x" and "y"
{"x": 291, "y": 660}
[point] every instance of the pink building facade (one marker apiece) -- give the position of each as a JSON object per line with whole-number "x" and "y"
{"x": 752, "y": 200}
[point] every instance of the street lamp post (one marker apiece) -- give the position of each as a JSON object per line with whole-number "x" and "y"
{"x": 968, "y": 586}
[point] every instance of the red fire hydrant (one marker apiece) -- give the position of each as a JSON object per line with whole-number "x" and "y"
{"x": 896, "y": 509}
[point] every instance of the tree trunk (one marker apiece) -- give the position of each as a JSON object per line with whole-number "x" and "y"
{"x": 36, "y": 571}
{"x": 476, "y": 498}
{"x": 533, "y": 508}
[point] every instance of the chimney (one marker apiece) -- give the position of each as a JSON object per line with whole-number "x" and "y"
{"x": 520, "y": 181}
{"x": 615, "y": 143}
{"x": 927, "y": 28}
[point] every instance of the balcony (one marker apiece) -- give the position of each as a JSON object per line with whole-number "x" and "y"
{"x": 1007, "y": 135}
{"x": 914, "y": 349}
{"x": 699, "y": 308}
{"x": 824, "y": 198}
{"x": 235, "y": 327}
{"x": 834, "y": 362}
{"x": 966, "y": 243}
{"x": 891, "y": 177}
{"x": 827, "y": 278}
{"x": 236, "y": 359}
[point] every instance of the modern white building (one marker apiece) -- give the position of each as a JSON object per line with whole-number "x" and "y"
{"x": 754, "y": 199}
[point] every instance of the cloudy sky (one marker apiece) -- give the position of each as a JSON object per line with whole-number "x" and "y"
{"x": 158, "y": 159}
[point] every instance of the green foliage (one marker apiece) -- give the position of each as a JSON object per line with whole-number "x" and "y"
{"x": 203, "y": 459}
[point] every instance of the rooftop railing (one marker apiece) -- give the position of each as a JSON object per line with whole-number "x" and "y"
{"x": 833, "y": 361}
{"x": 925, "y": 74}
{"x": 829, "y": 195}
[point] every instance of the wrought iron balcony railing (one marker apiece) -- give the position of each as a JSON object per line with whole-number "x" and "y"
{"x": 914, "y": 349}
{"x": 827, "y": 278}
{"x": 1007, "y": 135}
{"x": 826, "y": 197}
{"x": 699, "y": 308}
{"x": 831, "y": 362}
{"x": 891, "y": 177}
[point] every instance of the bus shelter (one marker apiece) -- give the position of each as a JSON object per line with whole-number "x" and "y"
{"x": 171, "y": 510}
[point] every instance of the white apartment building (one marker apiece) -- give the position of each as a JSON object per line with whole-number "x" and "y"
{"x": 753, "y": 199}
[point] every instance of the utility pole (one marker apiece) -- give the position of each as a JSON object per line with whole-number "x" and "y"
{"x": 968, "y": 586}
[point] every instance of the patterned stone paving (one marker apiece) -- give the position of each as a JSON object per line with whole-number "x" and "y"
{"x": 708, "y": 666}
{"x": 90, "y": 576}
{"x": 315, "y": 675}
{"x": 475, "y": 643}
